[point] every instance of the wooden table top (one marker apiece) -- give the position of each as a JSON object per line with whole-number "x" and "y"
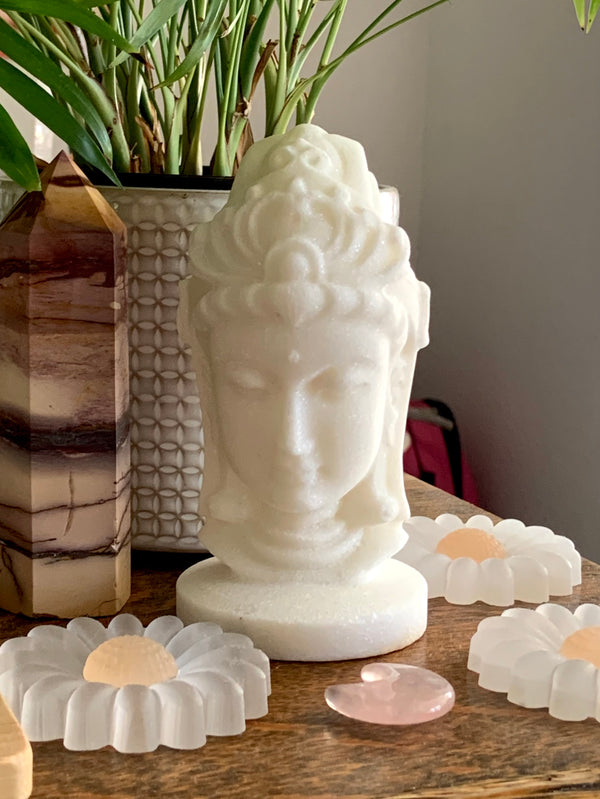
{"x": 485, "y": 747}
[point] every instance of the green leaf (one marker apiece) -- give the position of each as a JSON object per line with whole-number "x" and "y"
{"x": 580, "y": 11}
{"x": 95, "y": 3}
{"x": 594, "y": 6}
{"x": 45, "y": 108}
{"x": 251, "y": 49}
{"x": 43, "y": 68}
{"x": 72, "y": 12}
{"x": 206, "y": 35}
{"x": 156, "y": 19}
{"x": 15, "y": 156}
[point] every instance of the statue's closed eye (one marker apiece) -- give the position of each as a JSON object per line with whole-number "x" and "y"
{"x": 245, "y": 378}
{"x": 334, "y": 381}
{"x": 329, "y": 384}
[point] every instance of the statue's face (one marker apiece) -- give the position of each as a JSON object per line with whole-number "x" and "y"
{"x": 300, "y": 410}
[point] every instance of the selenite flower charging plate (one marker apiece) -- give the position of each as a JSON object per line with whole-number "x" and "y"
{"x": 477, "y": 560}
{"x": 131, "y": 687}
{"x": 547, "y": 657}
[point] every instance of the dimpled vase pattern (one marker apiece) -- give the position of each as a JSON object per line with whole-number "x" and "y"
{"x": 166, "y": 422}
{"x": 304, "y": 318}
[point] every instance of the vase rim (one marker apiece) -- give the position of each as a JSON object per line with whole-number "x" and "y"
{"x": 146, "y": 180}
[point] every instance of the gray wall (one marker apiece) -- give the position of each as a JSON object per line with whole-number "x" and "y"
{"x": 509, "y": 242}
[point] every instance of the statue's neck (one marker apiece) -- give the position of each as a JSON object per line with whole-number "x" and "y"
{"x": 276, "y": 519}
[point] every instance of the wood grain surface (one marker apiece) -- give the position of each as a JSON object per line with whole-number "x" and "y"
{"x": 485, "y": 747}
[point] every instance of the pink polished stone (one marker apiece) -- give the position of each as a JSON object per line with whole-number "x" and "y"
{"x": 392, "y": 693}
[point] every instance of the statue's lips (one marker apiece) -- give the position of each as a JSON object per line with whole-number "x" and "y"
{"x": 288, "y": 476}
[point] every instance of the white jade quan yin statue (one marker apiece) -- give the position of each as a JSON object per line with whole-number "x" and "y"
{"x": 304, "y": 317}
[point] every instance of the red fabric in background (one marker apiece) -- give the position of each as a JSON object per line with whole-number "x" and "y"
{"x": 428, "y": 458}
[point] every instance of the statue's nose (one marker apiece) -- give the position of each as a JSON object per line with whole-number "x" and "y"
{"x": 295, "y": 425}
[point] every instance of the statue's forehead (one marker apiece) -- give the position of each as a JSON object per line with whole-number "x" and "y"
{"x": 341, "y": 339}
{"x": 278, "y": 356}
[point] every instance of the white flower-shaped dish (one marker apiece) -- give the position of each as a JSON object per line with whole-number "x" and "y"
{"x": 131, "y": 687}
{"x": 547, "y": 657}
{"x": 496, "y": 564}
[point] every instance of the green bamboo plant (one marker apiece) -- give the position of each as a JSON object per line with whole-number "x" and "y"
{"x": 127, "y": 81}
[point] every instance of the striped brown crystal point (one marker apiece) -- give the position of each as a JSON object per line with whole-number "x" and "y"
{"x": 64, "y": 439}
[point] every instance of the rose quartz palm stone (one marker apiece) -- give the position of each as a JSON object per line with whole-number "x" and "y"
{"x": 392, "y": 693}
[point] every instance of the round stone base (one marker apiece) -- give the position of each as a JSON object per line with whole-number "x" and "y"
{"x": 299, "y": 621}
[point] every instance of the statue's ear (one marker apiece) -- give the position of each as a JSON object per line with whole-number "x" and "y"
{"x": 422, "y": 330}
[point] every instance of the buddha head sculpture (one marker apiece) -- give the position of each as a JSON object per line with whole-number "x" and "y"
{"x": 304, "y": 317}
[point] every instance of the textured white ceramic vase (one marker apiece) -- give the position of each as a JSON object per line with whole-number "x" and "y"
{"x": 305, "y": 319}
{"x": 166, "y": 422}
